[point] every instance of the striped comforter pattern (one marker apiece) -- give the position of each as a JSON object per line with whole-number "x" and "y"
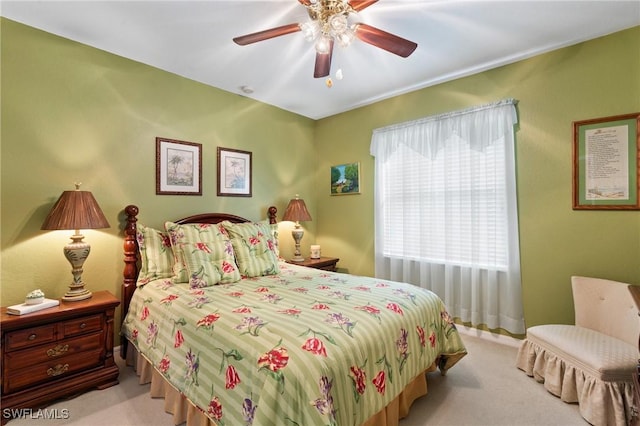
{"x": 303, "y": 347}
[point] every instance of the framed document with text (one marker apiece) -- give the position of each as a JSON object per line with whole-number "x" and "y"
{"x": 605, "y": 163}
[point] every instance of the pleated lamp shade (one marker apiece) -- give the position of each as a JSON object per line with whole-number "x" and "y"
{"x": 75, "y": 210}
{"x": 297, "y": 211}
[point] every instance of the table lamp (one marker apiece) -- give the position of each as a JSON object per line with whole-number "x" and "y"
{"x": 297, "y": 212}
{"x": 76, "y": 210}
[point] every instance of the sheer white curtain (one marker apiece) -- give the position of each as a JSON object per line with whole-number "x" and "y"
{"x": 446, "y": 214}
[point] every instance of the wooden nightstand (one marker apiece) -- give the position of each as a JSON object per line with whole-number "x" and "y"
{"x": 57, "y": 352}
{"x": 324, "y": 263}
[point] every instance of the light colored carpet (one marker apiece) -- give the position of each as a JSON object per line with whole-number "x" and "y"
{"x": 484, "y": 388}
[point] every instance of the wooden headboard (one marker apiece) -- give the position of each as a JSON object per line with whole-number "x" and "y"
{"x": 131, "y": 253}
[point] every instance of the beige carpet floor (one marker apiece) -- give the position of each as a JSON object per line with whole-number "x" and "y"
{"x": 484, "y": 388}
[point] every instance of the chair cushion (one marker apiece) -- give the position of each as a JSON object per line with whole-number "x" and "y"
{"x": 601, "y": 356}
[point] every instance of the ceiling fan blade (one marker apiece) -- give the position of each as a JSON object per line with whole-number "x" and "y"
{"x": 305, "y": 2}
{"x": 323, "y": 62}
{"x": 267, "y": 34}
{"x": 384, "y": 40}
{"x": 359, "y": 5}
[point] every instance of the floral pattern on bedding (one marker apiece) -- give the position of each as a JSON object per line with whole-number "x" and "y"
{"x": 304, "y": 347}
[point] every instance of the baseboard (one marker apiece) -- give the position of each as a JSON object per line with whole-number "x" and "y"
{"x": 487, "y": 335}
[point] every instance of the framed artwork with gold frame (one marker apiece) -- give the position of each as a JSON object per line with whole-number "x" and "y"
{"x": 178, "y": 167}
{"x": 345, "y": 179}
{"x": 234, "y": 172}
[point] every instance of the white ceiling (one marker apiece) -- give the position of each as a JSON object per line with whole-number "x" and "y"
{"x": 194, "y": 39}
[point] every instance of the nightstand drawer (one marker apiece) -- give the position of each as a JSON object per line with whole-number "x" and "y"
{"x": 44, "y": 353}
{"x": 56, "y": 368}
{"x": 82, "y": 325}
{"x": 30, "y": 337}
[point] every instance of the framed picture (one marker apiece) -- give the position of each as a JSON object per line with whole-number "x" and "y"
{"x": 234, "y": 173}
{"x": 178, "y": 167}
{"x": 345, "y": 179}
{"x": 605, "y": 163}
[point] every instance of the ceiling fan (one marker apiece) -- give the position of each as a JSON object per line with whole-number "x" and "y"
{"x": 330, "y": 24}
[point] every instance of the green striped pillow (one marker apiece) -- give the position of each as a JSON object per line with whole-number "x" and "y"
{"x": 273, "y": 231}
{"x": 156, "y": 257}
{"x": 206, "y": 251}
{"x": 180, "y": 272}
{"x": 255, "y": 248}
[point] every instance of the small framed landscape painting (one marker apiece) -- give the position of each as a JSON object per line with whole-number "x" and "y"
{"x": 178, "y": 167}
{"x": 234, "y": 172}
{"x": 345, "y": 179}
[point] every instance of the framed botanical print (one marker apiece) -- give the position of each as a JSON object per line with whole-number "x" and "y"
{"x": 234, "y": 172}
{"x": 178, "y": 167}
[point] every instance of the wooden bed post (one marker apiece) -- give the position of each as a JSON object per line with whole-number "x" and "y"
{"x": 271, "y": 212}
{"x": 130, "y": 273}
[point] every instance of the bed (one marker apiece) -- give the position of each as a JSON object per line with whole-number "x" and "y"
{"x": 230, "y": 334}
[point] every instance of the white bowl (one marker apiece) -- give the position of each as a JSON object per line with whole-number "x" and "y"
{"x": 34, "y": 301}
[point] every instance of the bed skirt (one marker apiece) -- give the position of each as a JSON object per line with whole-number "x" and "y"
{"x": 600, "y": 402}
{"x": 184, "y": 411}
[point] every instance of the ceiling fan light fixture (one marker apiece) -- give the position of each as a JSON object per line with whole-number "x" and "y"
{"x": 344, "y": 39}
{"x": 338, "y": 23}
{"x": 323, "y": 44}
{"x": 331, "y": 21}
{"x": 310, "y": 30}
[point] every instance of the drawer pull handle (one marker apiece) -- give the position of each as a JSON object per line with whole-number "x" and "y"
{"x": 33, "y": 336}
{"x": 83, "y": 326}
{"x": 57, "y": 350}
{"x": 57, "y": 370}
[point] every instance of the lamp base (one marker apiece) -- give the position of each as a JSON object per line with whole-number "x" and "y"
{"x": 76, "y": 253}
{"x": 74, "y": 295}
{"x": 297, "y": 234}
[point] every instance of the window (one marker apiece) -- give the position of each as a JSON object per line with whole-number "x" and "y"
{"x": 455, "y": 198}
{"x": 446, "y": 216}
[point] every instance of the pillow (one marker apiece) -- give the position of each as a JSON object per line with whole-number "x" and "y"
{"x": 206, "y": 251}
{"x": 255, "y": 248}
{"x": 273, "y": 233}
{"x": 180, "y": 272}
{"x": 156, "y": 256}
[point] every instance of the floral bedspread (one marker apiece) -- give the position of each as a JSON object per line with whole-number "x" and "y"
{"x": 304, "y": 347}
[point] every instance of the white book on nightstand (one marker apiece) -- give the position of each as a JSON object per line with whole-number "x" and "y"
{"x": 23, "y": 308}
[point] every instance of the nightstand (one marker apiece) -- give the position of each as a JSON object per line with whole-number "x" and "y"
{"x": 57, "y": 352}
{"x": 324, "y": 263}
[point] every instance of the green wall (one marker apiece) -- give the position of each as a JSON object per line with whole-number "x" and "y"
{"x": 598, "y": 78}
{"x": 74, "y": 113}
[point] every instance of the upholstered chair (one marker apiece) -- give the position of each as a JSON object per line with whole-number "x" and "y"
{"x": 590, "y": 363}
